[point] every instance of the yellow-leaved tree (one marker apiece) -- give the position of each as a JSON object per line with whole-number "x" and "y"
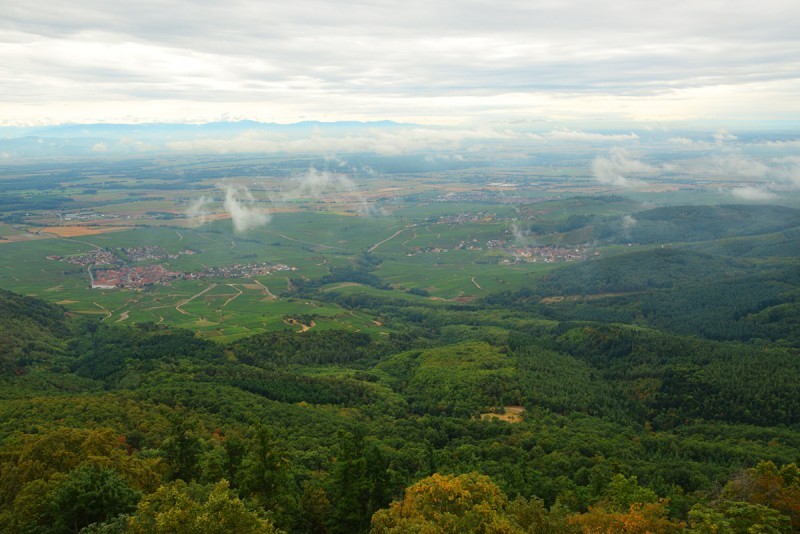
{"x": 447, "y": 504}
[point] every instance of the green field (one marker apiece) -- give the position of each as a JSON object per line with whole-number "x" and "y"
{"x": 428, "y": 233}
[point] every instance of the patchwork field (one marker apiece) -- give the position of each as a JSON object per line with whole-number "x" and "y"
{"x": 237, "y": 248}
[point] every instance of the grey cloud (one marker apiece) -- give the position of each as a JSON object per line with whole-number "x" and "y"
{"x": 396, "y": 55}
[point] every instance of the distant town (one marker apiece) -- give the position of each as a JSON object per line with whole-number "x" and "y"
{"x": 121, "y": 256}
{"x": 111, "y": 269}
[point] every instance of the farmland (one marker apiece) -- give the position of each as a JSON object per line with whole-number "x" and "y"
{"x": 255, "y": 228}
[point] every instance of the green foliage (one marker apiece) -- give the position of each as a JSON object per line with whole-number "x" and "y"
{"x": 179, "y": 508}
{"x": 651, "y": 380}
{"x": 447, "y": 504}
{"x": 111, "y": 351}
{"x": 457, "y": 379}
{"x": 89, "y": 495}
{"x": 31, "y": 331}
{"x": 637, "y": 271}
{"x": 359, "y": 483}
{"x": 706, "y": 223}
{"x": 70, "y": 478}
{"x": 329, "y": 346}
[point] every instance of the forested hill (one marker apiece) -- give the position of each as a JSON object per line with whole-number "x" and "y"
{"x": 468, "y": 415}
{"x": 640, "y": 271}
{"x": 678, "y": 290}
{"x": 706, "y": 223}
{"x": 733, "y": 230}
{"x": 31, "y": 330}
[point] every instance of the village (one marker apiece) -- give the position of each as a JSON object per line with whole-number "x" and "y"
{"x": 518, "y": 253}
{"x": 110, "y": 269}
{"x": 121, "y": 256}
{"x": 548, "y": 254}
{"x": 143, "y": 276}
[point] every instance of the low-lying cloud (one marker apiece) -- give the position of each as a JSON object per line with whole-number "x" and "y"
{"x": 385, "y": 142}
{"x": 316, "y": 184}
{"x": 579, "y": 135}
{"x": 736, "y": 164}
{"x": 752, "y": 194}
{"x": 617, "y": 168}
{"x": 239, "y": 203}
{"x": 247, "y": 212}
{"x": 199, "y": 210}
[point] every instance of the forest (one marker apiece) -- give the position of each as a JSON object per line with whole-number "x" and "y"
{"x": 653, "y": 388}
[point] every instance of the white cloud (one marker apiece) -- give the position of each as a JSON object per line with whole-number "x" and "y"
{"x": 753, "y": 194}
{"x": 578, "y": 135}
{"x": 687, "y": 142}
{"x": 239, "y": 203}
{"x": 738, "y": 165}
{"x": 791, "y": 144}
{"x": 722, "y": 136}
{"x": 378, "y": 141}
{"x": 199, "y": 211}
{"x": 787, "y": 169}
{"x": 617, "y": 168}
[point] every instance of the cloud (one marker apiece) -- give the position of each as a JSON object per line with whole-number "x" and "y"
{"x": 682, "y": 141}
{"x": 578, "y": 135}
{"x": 99, "y": 147}
{"x": 198, "y": 211}
{"x": 387, "y": 142}
{"x": 753, "y": 194}
{"x": 317, "y": 184}
{"x": 428, "y": 59}
{"x": 618, "y": 166}
{"x": 687, "y": 142}
{"x": 248, "y": 213}
{"x": 520, "y": 236}
{"x": 722, "y": 136}
{"x": 738, "y": 165}
{"x": 791, "y": 143}
{"x": 239, "y": 203}
{"x": 787, "y": 169}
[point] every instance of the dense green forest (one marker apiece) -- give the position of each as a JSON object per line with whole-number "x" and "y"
{"x": 647, "y": 391}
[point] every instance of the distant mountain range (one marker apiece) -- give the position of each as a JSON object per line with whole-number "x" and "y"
{"x": 95, "y": 139}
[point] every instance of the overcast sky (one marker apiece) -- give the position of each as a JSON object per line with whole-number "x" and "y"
{"x": 426, "y": 61}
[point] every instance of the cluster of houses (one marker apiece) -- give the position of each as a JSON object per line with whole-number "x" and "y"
{"x": 139, "y": 254}
{"x": 549, "y": 254}
{"x": 112, "y": 269}
{"x": 143, "y": 276}
{"x": 120, "y": 256}
{"x": 133, "y": 277}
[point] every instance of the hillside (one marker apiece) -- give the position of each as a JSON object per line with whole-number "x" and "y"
{"x": 317, "y": 431}
{"x": 32, "y": 331}
{"x": 639, "y": 271}
{"x": 706, "y": 223}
